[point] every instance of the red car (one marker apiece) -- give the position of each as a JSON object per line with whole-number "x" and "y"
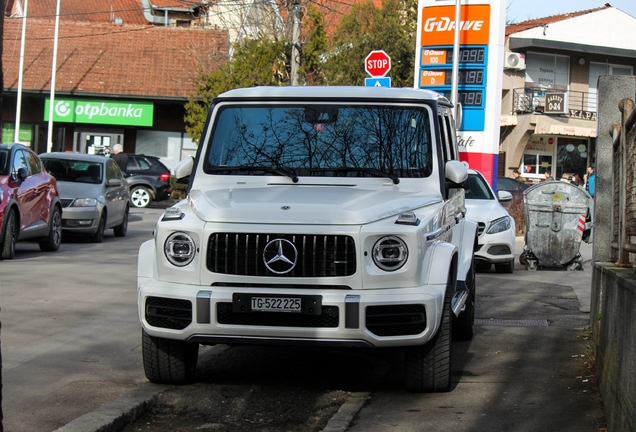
{"x": 30, "y": 206}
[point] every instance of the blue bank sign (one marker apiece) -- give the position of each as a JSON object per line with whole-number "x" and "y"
{"x": 100, "y": 112}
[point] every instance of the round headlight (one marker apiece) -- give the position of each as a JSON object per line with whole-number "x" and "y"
{"x": 390, "y": 253}
{"x": 180, "y": 249}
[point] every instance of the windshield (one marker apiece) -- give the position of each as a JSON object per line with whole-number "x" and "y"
{"x": 321, "y": 140}
{"x": 74, "y": 170}
{"x": 476, "y": 188}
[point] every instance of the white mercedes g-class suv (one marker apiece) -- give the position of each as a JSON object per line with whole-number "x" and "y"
{"x": 331, "y": 216}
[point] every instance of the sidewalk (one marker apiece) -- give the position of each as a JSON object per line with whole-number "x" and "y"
{"x": 580, "y": 281}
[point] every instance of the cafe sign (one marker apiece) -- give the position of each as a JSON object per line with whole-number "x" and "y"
{"x": 555, "y": 103}
{"x": 122, "y": 113}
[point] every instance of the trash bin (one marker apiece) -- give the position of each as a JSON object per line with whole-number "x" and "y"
{"x": 558, "y": 216}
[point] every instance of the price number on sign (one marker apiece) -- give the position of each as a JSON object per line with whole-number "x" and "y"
{"x": 468, "y": 55}
{"x": 471, "y": 98}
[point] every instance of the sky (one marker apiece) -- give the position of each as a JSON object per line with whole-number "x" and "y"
{"x": 522, "y": 10}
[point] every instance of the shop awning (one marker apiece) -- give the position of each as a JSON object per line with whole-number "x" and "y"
{"x": 548, "y": 125}
{"x": 508, "y": 121}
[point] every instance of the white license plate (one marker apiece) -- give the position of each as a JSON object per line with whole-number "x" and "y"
{"x": 276, "y": 304}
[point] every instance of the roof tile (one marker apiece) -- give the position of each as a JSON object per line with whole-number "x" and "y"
{"x": 112, "y": 59}
{"x": 537, "y": 22}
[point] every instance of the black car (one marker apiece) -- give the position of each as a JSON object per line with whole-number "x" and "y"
{"x": 515, "y": 187}
{"x": 148, "y": 180}
{"x": 515, "y": 206}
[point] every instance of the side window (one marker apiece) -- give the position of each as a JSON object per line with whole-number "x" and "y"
{"x": 144, "y": 165}
{"x": 443, "y": 137}
{"x": 452, "y": 134}
{"x": 19, "y": 161}
{"x": 131, "y": 165}
{"x": 112, "y": 170}
{"x": 448, "y": 136}
{"x": 34, "y": 164}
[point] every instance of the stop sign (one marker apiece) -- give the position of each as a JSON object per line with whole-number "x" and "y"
{"x": 377, "y": 63}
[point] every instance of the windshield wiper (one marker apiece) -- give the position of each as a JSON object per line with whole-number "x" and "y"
{"x": 285, "y": 172}
{"x": 372, "y": 171}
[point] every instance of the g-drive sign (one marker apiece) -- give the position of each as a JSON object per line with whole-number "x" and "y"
{"x": 377, "y": 64}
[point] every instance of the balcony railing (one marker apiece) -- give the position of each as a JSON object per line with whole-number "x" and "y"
{"x": 532, "y": 100}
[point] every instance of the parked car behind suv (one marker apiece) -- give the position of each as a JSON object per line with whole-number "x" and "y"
{"x": 93, "y": 192}
{"x": 148, "y": 180}
{"x": 29, "y": 202}
{"x": 516, "y": 188}
{"x": 496, "y": 232}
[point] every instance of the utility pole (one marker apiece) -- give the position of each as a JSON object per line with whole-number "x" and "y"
{"x": 295, "y": 51}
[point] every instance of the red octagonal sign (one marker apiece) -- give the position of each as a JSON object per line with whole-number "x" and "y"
{"x": 377, "y": 64}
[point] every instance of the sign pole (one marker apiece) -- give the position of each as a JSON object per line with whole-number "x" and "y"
{"x": 49, "y": 136}
{"x": 455, "y": 71}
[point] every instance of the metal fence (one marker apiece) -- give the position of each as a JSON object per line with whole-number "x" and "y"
{"x": 532, "y": 99}
{"x": 623, "y": 227}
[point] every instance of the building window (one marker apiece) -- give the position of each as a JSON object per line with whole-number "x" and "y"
{"x": 536, "y": 164}
{"x": 170, "y": 147}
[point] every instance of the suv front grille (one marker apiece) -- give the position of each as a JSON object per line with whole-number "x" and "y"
{"x": 66, "y": 202}
{"x": 480, "y": 228}
{"x": 317, "y": 255}
{"x": 328, "y": 318}
{"x": 168, "y": 313}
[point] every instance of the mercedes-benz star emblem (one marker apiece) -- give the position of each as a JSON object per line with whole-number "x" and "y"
{"x": 280, "y": 256}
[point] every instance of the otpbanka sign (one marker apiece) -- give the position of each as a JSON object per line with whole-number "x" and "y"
{"x": 100, "y": 112}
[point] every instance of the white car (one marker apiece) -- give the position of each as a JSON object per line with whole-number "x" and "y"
{"x": 496, "y": 228}
{"x": 326, "y": 216}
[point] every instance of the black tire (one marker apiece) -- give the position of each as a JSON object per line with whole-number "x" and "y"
{"x": 463, "y": 329}
{"x": 140, "y": 196}
{"x": 523, "y": 258}
{"x": 168, "y": 361}
{"x": 428, "y": 367}
{"x": 508, "y": 267}
{"x": 53, "y": 240}
{"x": 9, "y": 236}
{"x": 483, "y": 266}
{"x": 121, "y": 229}
{"x": 98, "y": 236}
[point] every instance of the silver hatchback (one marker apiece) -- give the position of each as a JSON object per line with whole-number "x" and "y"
{"x": 93, "y": 192}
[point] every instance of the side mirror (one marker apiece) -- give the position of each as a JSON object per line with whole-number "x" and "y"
{"x": 183, "y": 170}
{"x": 114, "y": 182}
{"x": 22, "y": 174}
{"x": 504, "y": 196}
{"x": 456, "y": 172}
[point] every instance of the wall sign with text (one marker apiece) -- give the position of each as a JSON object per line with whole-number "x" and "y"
{"x": 100, "y": 112}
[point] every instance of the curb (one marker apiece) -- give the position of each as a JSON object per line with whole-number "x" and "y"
{"x": 114, "y": 416}
{"x": 342, "y": 419}
{"x": 117, "y": 414}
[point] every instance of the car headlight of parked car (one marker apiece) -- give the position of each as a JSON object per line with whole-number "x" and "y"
{"x": 179, "y": 249}
{"x": 84, "y": 202}
{"x": 499, "y": 225}
{"x": 390, "y": 253}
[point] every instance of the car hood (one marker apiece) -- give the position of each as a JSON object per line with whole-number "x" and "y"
{"x": 306, "y": 204}
{"x": 484, "y": 210}
{"x": 79, "y": 190}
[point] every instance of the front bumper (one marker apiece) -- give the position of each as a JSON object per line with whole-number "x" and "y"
{"x": 81, "y": 220}
{"x": 375, "y": 318}
{"x": 496, "y": 248}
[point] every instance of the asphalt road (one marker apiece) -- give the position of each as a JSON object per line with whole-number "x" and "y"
{"x": 71, "y": 343}
{"x": 70, "y": 331}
